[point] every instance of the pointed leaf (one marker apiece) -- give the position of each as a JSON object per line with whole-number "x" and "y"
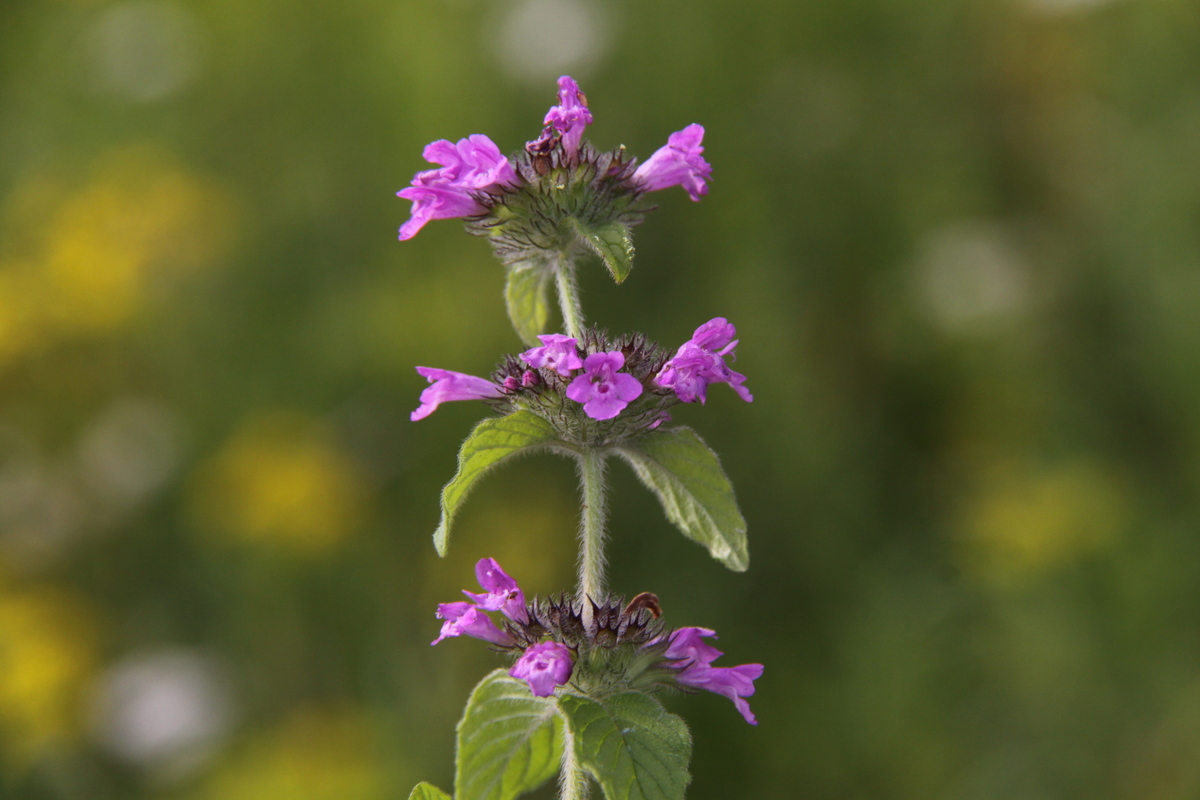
{"x": 613, "y": 242}
{"x": 527, "y": 295}
{"x": 493, "y": 441}
{"x": 630, "y": 744}
{"x": 427, "y": 791}
{"x": 509, "y": 742}
{"x": 694, "y": 491}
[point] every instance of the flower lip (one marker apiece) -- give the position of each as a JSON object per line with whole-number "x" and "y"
{"x": 603, "y": 390}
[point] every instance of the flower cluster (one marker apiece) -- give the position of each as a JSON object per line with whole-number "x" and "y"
{"x": 556, "y": 176}
{"x": 627, "y": 384}
{"x": 616, "y": 647}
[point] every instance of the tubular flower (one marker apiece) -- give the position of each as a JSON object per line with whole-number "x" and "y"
{"x": 558, "y": 352}
{"x": 543, "y": 667}
{"x": 502, "y": 592}
{"x": 565, "y": 121}
{"x": 447, "y": 386}
{"x": 701, "y": 361}
{"x": 467, "y": 168}
{"x": 603, "y": 390}
{"x": 678, "y": 163}
{"x": 465, "y": 618}
{"x": 696, "y": 670}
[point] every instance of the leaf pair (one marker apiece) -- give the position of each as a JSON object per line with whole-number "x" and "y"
{"x": 510, "y": 742}
{"x": 675, "y": 464}
{"x": 527, "y": 288}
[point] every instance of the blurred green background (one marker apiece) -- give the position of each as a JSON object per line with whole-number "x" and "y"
{"x": 959, "y": 239}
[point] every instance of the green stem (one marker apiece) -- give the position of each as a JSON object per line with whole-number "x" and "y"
{"x": 572, "y": 781}
{"x": 568, "y": 296}
{"x": 591, "y": 529}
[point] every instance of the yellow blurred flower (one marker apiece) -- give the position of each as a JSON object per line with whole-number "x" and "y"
{"x": 47, "y": 652}
{"x": 1023, "y": 521}
{"x": 281, "y": 479}
{"x": 315, "y": 755}
{"x": 82, "y": 262}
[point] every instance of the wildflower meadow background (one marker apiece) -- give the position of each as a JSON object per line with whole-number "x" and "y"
{"x": 960, "y": 243}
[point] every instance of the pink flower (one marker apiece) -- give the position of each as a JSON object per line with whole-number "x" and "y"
{"x": 696, "y": 670}
{"x": 678, "y": 163}
{"x": 603, "y": 390}
{"x": 557, "y": 352}
{"x": 543, "y": 667}
{"x": 467, "y": 168}
{"x": 502, "y": 592}
{"x": 701, "y": 361}
{"x": 447, "y": 386}
{"x": 468, "y": 619}
{"x": 566, "y": 121}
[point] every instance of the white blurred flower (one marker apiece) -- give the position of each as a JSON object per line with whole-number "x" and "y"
{"x": 541, "y": 39}
{"x": 969, "y": 276}
{"x": 165, "y": 710}
{"x": 129, "y": 451}
{"x": 143, "y": 50}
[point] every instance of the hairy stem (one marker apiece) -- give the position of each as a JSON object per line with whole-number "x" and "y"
{"x": 572, "y": 781}
{"x": 568, "y": 296}
{"x": 591, "y": 529}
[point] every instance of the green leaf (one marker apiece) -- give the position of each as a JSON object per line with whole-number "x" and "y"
{"x": 630, "y": 744}
{"x": 613, "y": 242}
{"x": 527, "y": 295}
{"x": 493, "y": 441}
{"x": 509, "y": 741}
{"x": 694, "y": 491}
{"x": 427, "y": 791}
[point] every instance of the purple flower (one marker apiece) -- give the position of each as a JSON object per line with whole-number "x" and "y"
{"x": 701, "y": 361}
{"x": 686, "y": 644}
{"x": 696, "y": 670}
{"x": 557, "y": 352}
{"x": 467, "y": 168}
{"x": 678, "y": 163}
{"x": 449, "y": 386}
{"x": 466, "y": 618}
{"x": 543, "y": 667}
{"x": 503, "y": 594}
{"x": 603, "y": 391}
{"x": 735, "y": 683}
{"x": 567, "y": 120}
